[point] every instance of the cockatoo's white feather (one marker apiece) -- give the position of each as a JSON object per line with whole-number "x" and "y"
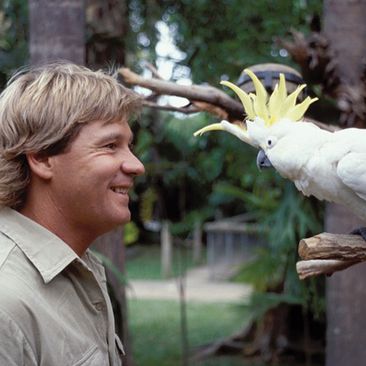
{"x": 328, "y": 165}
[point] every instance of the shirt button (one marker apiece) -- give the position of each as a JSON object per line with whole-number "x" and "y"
{"x": 99, "y": 306}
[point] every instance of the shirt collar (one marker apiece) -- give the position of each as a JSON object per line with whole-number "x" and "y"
{"x": 46, "y": 251}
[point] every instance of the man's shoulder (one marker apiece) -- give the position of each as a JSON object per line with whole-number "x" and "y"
{"x": 16, "y": 272}
{"x": 12, "y": 258}
{"x": 19, "y": 285}
{"x": 6, "y": 248}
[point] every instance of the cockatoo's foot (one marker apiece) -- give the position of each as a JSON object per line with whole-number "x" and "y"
{"x": 359, "y": 231}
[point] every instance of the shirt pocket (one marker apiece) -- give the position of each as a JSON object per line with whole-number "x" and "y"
{"x": 93, "y": 357}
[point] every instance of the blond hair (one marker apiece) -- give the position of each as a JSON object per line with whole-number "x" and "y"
{"x": 42, "y": 109}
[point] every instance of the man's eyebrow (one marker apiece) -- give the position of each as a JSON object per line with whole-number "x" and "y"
{"x": 115, "y": 136}
{"x": 110, "y": 136}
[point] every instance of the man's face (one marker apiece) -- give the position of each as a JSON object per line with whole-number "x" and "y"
{"x": 90, "y": 181}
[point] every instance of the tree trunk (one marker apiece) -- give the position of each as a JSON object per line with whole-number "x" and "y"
{"x": 107, "y": 24}
{"x": 346, "y": 296}
{"x": 56, "y": 31}
{"x": 111, "y": 246}
{"x": 345, "y": 28}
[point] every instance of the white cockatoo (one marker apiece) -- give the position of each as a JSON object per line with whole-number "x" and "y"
{"x": 328, "y": 165}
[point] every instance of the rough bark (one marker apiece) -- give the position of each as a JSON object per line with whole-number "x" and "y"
{"x": 328, "y": 253}
{"x": 56, "y": 31}
{"x": 315, "y": 267}
{"x": 107, "y": 27}
{"x": 345, "y": 29}
{"x": 345, "y": 296}
{"x": 347, "y": 41}
{"x": 333, "y": 246}
{"x": 335, "y": 57}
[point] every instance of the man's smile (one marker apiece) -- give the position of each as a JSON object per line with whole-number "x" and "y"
{"x": 120, "y": 190}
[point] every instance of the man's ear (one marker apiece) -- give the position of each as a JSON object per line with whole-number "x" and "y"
{"x": 40, "y": 165}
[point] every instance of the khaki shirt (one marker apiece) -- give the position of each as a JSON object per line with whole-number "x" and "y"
{"x": 54, "y": 306}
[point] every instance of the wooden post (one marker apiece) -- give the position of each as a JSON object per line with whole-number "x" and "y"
{"x": 166, "y": 250}
{"x": 197, "y": 242}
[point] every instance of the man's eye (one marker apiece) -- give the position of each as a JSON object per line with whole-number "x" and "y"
{"x": 111, "y": 146}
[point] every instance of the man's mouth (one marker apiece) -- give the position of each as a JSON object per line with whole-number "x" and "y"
{"x": 120, "y": 190}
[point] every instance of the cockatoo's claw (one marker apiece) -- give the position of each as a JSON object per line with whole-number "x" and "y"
{"x": 359, "y": 231}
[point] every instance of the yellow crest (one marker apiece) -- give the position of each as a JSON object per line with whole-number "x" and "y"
{"x": 274, "y": 107}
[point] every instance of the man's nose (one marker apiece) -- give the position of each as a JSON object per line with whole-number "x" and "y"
{"x": 133, "y": 166}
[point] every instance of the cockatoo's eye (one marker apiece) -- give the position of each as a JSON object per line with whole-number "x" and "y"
{"x": 271, "y": 141}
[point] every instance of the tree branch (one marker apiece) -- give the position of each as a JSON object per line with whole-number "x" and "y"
{"x": 200, "y": 93}
{"x": 315, "y": 267}
{"x": 167, "y": 107}
{"x": 326, "y": 253}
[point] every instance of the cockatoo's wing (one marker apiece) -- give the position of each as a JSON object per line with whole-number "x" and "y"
{"x": 351, "y": 169}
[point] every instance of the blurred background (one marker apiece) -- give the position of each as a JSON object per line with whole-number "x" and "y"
{"x": 204, "y": 274}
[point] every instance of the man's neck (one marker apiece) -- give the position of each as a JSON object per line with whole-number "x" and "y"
{"x": 75, "y": 238}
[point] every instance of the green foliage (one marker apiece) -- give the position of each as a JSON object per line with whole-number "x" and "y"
{"x": 147, "y": 202}
{"x": 222, "y": 38}
{"x": 130, "y": 233}
{"x": 193, "y": 217}
{"x": 261, "y": 302}
{"x": 13, "y": 37}
{"x": 267, "y": 200}
{"x": 187, "y": 177}
{"x": 262, "y": 272}
{"x": 290, "y": 219}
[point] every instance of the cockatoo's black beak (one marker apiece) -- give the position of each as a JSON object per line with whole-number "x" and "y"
{"x": 262, "y": 160}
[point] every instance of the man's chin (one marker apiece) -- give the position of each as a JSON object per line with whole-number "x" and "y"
{"x": 114, "y": 222}
{"x": 123, "y": 219}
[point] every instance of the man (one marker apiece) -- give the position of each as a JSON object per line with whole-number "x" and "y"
{"x": 65, "y": 171}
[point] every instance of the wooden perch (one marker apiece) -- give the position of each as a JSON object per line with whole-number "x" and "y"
{"x": 326, "y": 253}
